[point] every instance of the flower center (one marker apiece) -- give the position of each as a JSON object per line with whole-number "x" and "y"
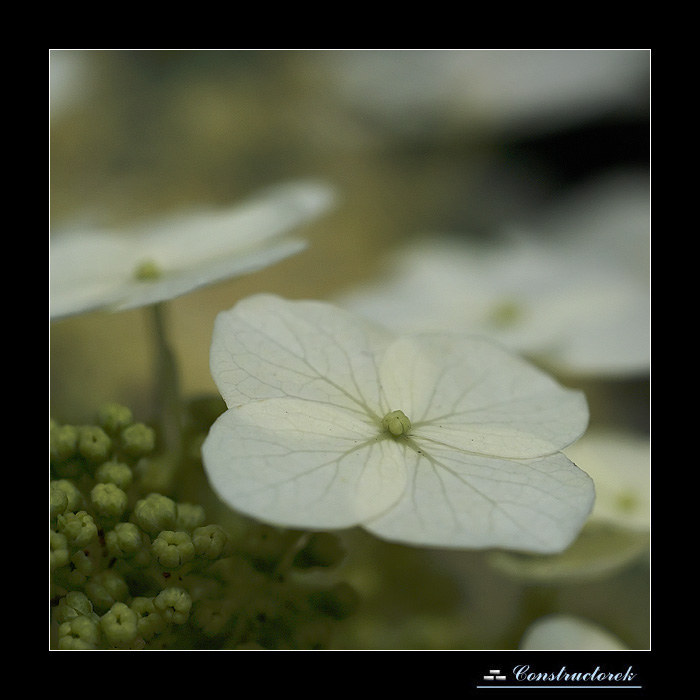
{"x": 506, "y": 313}
{"x": 147, "y": 271}
{"x": 396, "y": 422}
{"x": 626, "y": 502}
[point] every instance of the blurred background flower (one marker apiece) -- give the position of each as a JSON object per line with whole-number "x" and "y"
{"x": 159, "y": 261}
{"x": 572, "y": 292}
{"x": 486, "y": 146}
{"x": 568, "y": 632}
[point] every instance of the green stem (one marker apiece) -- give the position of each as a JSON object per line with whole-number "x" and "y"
{"x": 285, "y": 563}
{"x": 169, "y": 402}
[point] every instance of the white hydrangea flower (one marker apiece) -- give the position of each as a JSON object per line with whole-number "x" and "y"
{"x": 563, "y": 632}
{"x": 575, "y": 297}
{"x": 119, "y": 270}
{"x": 619, "y": 463}
{"x": 432, "y": 440}
{"x": 503, "y": 91}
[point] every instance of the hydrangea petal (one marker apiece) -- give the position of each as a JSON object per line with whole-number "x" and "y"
{"x": 470, "y": 394}
{"x": 265, "y": 347}
{"x": 560, "y": 631}
{"x": 175, "y": 283}
{"x": 457, "y": 499}
{"x": 303, "y": 464}
{"x": 95, "y": 269}
{"x": 82, "y": 272}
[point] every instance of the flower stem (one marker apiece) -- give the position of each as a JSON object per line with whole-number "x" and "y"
{"x": 169, "y": 402}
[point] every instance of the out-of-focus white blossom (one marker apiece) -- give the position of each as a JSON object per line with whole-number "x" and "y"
{"x": 502, "y": 91}
{"x": 574, "y": 295}
{"x": 562, "y": 632}
{"x": 620, "y": 467}
{"x": 117, "y": 270}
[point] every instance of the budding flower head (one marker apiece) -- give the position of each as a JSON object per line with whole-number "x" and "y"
{"x": 396, "y": 422}
{"x": 138, "y": 439}
{"x": 65, "y": 497}
{"x": 63, "y": 441}
{"x": 79, "y": 528}
{"x": 124, "y": 541}
{"x": 73, "y": 604}
{"x": 119, "y": 625}
{"x": 113, "y": 417}
{"x": 116, "y": 473}
{"x": 109, "y": 501}
{"x": 81, "y": 633}
{"x": 154, "y": 513}
{"x": 174, "y": 605}
{"x": 93, "y": 443}
{"x": 173, "y": 549}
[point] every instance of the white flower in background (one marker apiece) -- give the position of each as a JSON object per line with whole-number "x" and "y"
{"x": 616, "y": 533}
{"x": 434, "y": 440}
{"x": 620, "y": 466}
{"x": 119, "y": 270}
{"x": 574, "y": 297}
{"x": 506, "y": 91}
{"x": 562, "y": 632}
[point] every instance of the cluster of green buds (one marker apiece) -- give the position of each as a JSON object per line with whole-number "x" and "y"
{"x": 133, "y": 568}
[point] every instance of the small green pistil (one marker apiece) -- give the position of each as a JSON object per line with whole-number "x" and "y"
{"x": 396, "y": 423}
{"x": 506, "y": 313}
{"x": 626, "y": 502}
{"x": 147, "y": 271}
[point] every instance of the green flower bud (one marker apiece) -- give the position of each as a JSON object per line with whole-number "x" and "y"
{"x": 115, "y": 473}
{"x": 119, "y": 625}
{"x": 174, "y": 605}
{"x": 82, "y": 565}
{"x": 189, "y": 516}
{"x": 138, "y": 440}
{"x": 124, "y": 541}
{"x": 147, "y": 271}
{"x": 73, "y": 604}
{"x": 155, "y": 513}
{"x": 149, "y": 620}
{"x": 108, "y": 501}
{"x": 337, "y": 602}
{"x": 78, "y": 528}
{"x": 105, "y": 589}
{"x": 76, "y": 570}
{"x": 80, "y": 633}
{"x": 63, "y": 441}
{"x": 396, "y": 422}
{"x": 113, "y": 417}
{"x": 172, "y": 549}
{"x": 323, "y": 549}
{"x": 65, "y": 497}
{"x": 94, "y": 444}
{"x": 60, "y": 554}
{"x": 210, "y": 541}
